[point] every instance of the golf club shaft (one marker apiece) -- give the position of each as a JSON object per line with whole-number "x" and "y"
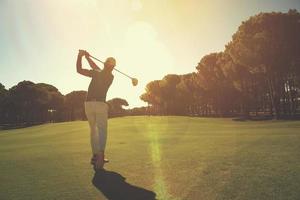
{"x": 114, "y": 68}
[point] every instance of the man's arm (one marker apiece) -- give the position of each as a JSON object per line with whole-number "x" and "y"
{"x": 79, "y": 68}
{"x": 91, "y": 62}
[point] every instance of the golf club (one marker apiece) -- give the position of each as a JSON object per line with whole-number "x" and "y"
{"x": 134, "y": 81}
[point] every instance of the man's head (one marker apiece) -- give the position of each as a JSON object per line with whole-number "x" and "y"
{"x": 110, "y": 63}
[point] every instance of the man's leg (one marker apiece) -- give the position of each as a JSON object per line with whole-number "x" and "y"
{"x": 101, "y": 121}
{"x": 91, "y": 116}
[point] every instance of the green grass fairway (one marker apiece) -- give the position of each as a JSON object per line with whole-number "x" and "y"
{"x": 175, "y": 157}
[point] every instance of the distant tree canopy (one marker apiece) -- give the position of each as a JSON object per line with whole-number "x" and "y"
{"x": 258, "y": 72}
{"x": 29, "y": 102}
{"x": 74, "y": 105}
{"x": 3, "y": 93}
{"x": 116, "y": 107}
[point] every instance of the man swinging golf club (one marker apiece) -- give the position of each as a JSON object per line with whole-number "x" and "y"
{"x": 95, "y": 105}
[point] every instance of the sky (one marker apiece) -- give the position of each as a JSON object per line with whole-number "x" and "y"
{"x": 40, "y": 39}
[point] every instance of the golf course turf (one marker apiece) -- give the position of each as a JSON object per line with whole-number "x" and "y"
{"x": 174, "y": 157}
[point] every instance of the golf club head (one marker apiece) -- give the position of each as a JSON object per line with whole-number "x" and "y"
{"x": 134, "y": 81}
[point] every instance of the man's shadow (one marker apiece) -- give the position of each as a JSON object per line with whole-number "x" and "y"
{"x": 114, "y": 187}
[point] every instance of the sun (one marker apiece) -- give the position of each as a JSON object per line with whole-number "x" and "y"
{"x": 136, "y": 5}
{"x": 141, "y": 55}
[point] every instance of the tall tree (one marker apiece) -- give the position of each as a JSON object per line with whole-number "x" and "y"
{"x": 74, "y": 104}
{"x": 55, "y": 102}
{"x": 26, "y": 103}
{"x": 269, "y": 43}
{"x": 3, "y": 93}
{"x": 219, "y": 89}
{"x": 153, "y": 96}
{"x": 116, "y": 107}
{"x": 168, "y": 93}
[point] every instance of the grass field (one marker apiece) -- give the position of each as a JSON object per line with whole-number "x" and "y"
{"x": 174, "y": 157}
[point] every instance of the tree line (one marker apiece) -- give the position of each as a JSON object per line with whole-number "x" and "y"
{"x": 258, "y": 74}
{"x": 30, "y": 103}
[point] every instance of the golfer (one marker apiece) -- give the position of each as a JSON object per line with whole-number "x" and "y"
{"x": 95, "y": 104}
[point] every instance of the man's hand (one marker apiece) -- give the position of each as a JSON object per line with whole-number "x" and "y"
{"x": 79, "y": 68}
{"x": 81, "y": 52}
{"x": 87, "y": 54}
{"x": 91, "y": 62}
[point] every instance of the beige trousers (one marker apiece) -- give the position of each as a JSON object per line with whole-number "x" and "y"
{"x": 96, "y": 113}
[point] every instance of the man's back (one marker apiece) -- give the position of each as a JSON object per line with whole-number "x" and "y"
{"x": 99, "y": 85}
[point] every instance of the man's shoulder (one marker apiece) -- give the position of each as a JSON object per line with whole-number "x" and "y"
{"x": 107, "y": 74}
{"x": 95, "y": 71}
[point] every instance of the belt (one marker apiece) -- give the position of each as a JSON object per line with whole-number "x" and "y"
{"x": 94, "y": 99}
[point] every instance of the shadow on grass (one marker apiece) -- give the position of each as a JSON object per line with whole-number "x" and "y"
{"x": 114, "y": 187}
